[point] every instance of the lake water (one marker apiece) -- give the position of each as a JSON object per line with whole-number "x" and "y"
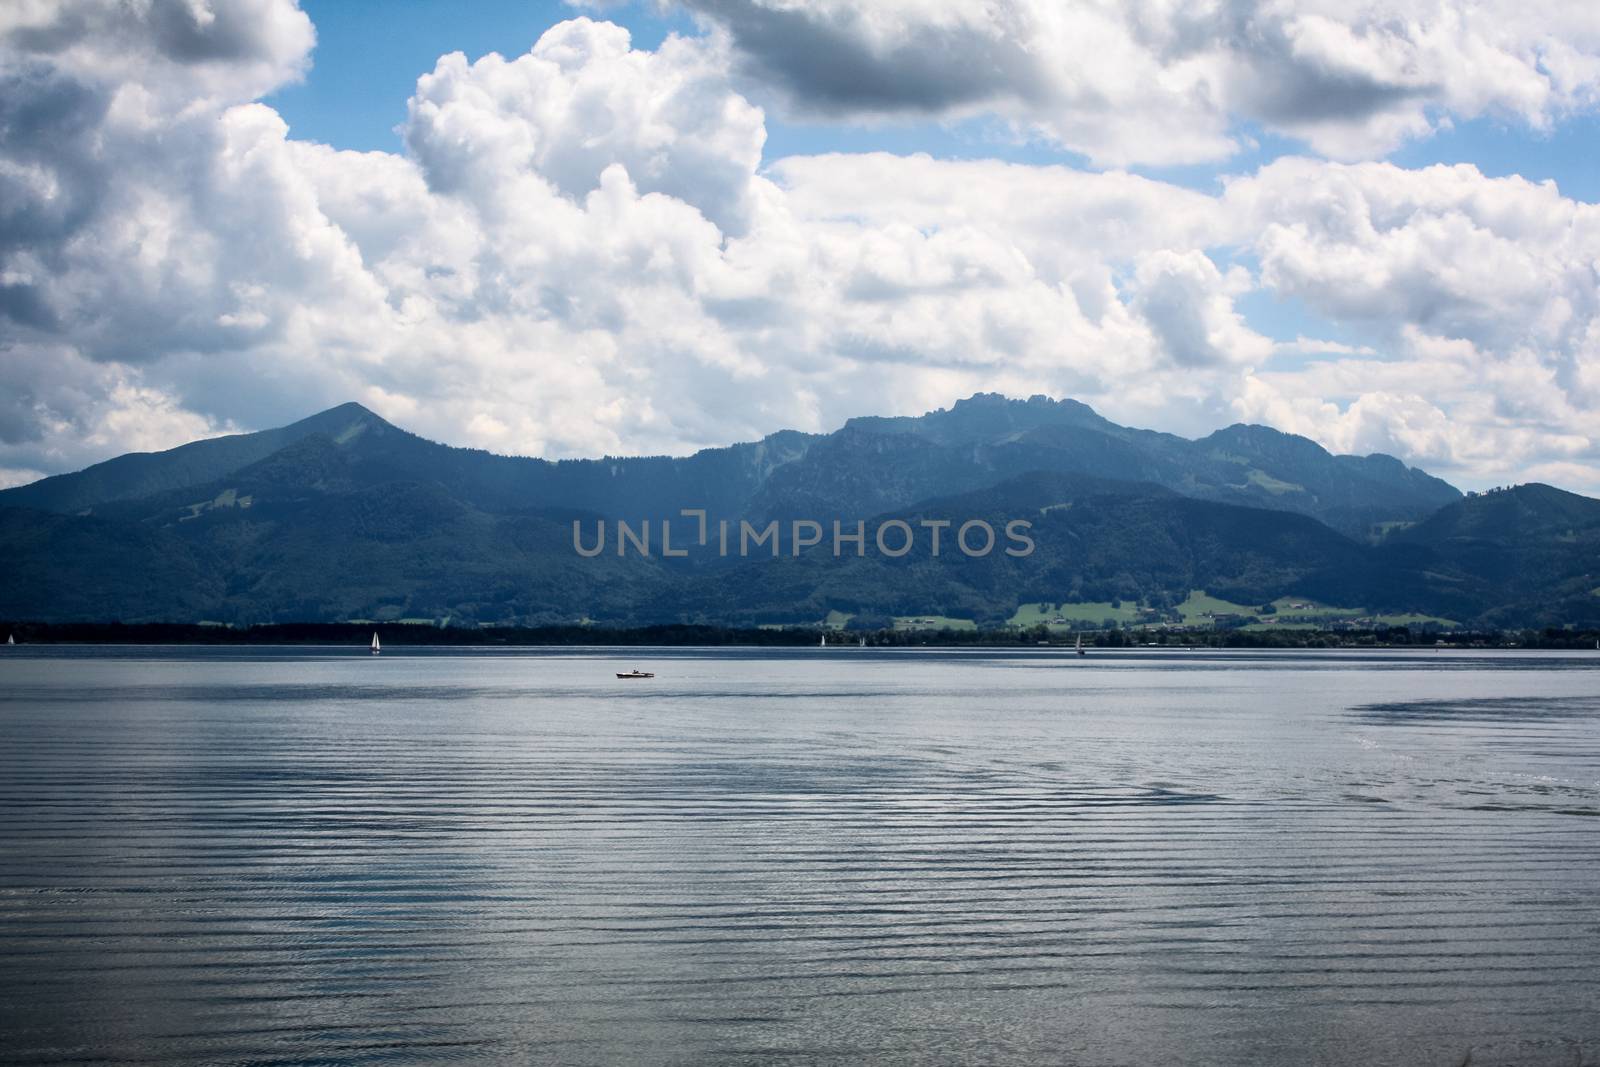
{"x": 301, "y": 856}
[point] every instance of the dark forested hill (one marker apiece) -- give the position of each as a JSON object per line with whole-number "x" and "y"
{"x": 869, "y": 465}
{"x": 139, "y": 474}
{"x": 345, "y": 516}
{"x": 1094, "y": 539}
{"x": 877, "y": 464}
{"x": 1531, "y": 553}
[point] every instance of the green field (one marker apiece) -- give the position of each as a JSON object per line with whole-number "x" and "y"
{"x": 1273, "y": 485}
{"x": 1267, "y": 622}
{"x": 1199, "y": 605}
{"x": 1299, "y": 613}
{"x": 932, "y": 622}
{"x": 1310, "y": 609}
{"x": 1031, "y": 614}
{"x": 836, "y": 620}
{"x": 1413, "y": 620}
{"x": 1258, "y": 627}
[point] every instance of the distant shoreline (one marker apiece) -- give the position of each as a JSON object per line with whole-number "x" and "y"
{"x": 400, "y": 635}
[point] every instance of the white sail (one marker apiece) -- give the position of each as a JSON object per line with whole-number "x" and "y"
{"x": 824, "y": 640}
{"x": 375, "y": 646}
{"x": 11, "y": 639}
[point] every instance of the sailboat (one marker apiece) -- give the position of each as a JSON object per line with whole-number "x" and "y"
{"x": 376, "y": 648}
{"x": 863, "y": 643}
{"x": 11, "y": 639}
{"x": 824, "y": 641}
{"x": 1081, "y": 652}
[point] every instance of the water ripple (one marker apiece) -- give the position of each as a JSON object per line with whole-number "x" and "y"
{"x": 460, "y": 858}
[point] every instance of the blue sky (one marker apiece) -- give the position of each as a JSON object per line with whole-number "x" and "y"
{"x": 370, "y": 52}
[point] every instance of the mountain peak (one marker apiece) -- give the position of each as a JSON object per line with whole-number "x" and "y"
{"x": 1260, "y": 436}
{"x": 1036, "y": 406}
{"x": 346, "y": 414}
{"x": 351, "y": 409}
{"x": 983, "y": 416}
{"x": 140, "y": 474}
{"x": 1534, "y": 498}
{"x": 1509, "y": 514}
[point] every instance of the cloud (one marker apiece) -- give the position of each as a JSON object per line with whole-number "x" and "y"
{"x": 1486, "y": 290}
{"x": 583, "y": 100}
{"x": 164, "y": 53}
{"x": 1188, "y": 303}
{"x": 1316, "y": 346}
{"x": 921, "y": 57}
{"x": 577, "y": 255}
{"x": 580, "y": 253}
{"x": 1152, "y": 81}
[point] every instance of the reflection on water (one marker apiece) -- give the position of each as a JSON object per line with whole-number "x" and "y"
{"x": 288, "y": 856}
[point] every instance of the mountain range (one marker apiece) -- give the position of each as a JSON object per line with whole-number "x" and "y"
{"x": 343, "y": 516}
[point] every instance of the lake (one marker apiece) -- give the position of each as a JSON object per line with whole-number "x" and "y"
{"x": 276, "y": 856}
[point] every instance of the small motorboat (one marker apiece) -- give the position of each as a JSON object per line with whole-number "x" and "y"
{"x": 635, "y": 674}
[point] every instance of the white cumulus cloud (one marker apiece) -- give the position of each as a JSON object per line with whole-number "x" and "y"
{"x": 1162, "y": 81}
{"x": 580, "y": 252}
